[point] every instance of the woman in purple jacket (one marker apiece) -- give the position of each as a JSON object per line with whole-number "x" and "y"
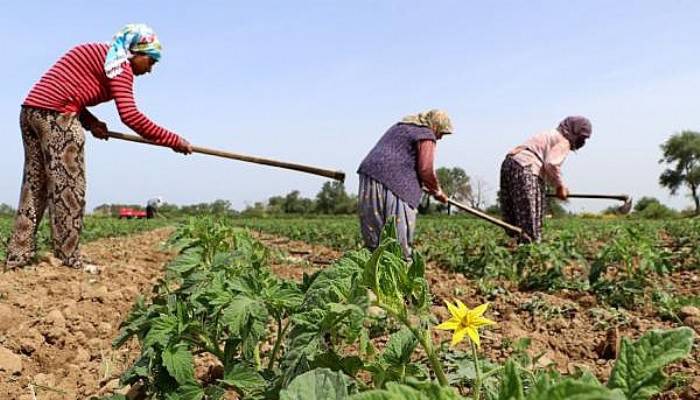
{"x": 394, "y": 174}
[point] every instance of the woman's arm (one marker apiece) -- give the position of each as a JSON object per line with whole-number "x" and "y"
{"x": 87, "y": 119}
{"x": 122, "y": 90}
{"x": 426, "y": 170}
{"x": 553, "y": 160}
{"x": 94, "y": 125}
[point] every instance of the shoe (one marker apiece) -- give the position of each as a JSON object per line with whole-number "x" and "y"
{"x": 16, "y": 264}
{"x": 91, "y": 269}
{"x": 85, "y": 264}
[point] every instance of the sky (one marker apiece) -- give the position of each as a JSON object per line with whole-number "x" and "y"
{"x": 318, "y": 82}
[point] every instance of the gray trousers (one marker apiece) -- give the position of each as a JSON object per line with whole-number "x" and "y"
{"x": 376, "y": 205}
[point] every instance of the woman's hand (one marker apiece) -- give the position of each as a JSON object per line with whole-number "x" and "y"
{"x": 99, "y": 130}
{"x": 441, "y": 196}
{"x": 562, "y": 192}
{"x": 183, "y": 147}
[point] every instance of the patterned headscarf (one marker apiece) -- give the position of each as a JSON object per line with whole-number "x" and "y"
{"x": 133, "y": 38}
{"x": 433, "y": 119}
{"x": 576, "y": 130}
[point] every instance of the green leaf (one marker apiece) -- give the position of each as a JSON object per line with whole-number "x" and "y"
{"x": 303, "y": 343}
{"x": 431, "y": 391}
{"x": 190, "y": 391}
{"x": 366, "y": 348}
{"x": 244, "y": 378}
{"x": 161, "y": 330}
{"x": 286, "y": 297}
{"x": 638, "y": 370}
{"x": 214, "y": 392}
{"x": 400, "y": 347}
{"x": 389, "y": 238}
{"x": 387, "y": 275}
{"x": 350, "y": 365}
{"x": 319, "y": 384}
{"x": 240, "y": 312}
{"x": 396, "y": 391}
{"x": 185, "y": 262}
{"x": 570, "y": 389}
{"x": 179, "y": 363}
{"x": 139, "y": 370}
{"x": 136, "y": 322}
{"x": 417, "y": 268}
{"x": 588, "y": 377}
{"x": 511, "y": 385}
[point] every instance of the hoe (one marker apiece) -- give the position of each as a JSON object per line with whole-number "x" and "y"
{"x": 623, "y": 209}
{"x": 626, "y": 200}
{"x": 473, "y": 211}
{"x": 337, "y": 175}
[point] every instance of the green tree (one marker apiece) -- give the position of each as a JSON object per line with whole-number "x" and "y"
{"x": 295, "y": 204}
{"x": 256, "y": 210}
{"x": 681, "y": 152}
{"x": 333, "y": 199}
{"x": 275, "y": 205}
{"x": 651, "y": 208}
{"x": 6, "y": 209}
{"x": 168, "y": 209}
{"x": 456, "y": 184}
{"x": 644, "y": 203}
{"x": 220, "y": 207}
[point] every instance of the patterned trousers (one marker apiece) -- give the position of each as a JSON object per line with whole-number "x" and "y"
{"x": 54, "y": 178}
{"x": 522, "y": 198}
{"x": 376, "y": 205}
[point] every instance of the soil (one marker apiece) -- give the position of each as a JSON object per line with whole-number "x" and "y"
{"x": 569, "y": 331}
{"x": 57, "y": 324}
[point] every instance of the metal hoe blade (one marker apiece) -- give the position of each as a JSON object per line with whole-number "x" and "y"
{"x": 626, "y": 207}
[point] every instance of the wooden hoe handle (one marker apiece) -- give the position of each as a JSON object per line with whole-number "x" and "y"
{"x": 337, "y": 175}
{"x": 484, "y": 216}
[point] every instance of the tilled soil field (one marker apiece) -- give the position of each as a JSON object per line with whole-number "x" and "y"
{"x": 57, "y": 325}
{"x": 567, "y": 331}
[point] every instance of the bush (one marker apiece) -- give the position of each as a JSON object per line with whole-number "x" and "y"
{"x": 656, "y": 211}
{"x": 6, "y": 209}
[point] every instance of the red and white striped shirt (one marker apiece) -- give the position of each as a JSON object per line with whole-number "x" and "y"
{"x": 78, "y": 80}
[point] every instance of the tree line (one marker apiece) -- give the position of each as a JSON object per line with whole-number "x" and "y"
{"x": 680, "y": 156}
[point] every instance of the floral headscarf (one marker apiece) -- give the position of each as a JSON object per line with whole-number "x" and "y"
{"x": 576, "y": 130}
{"x": 433, "y": 119}
{"x": 133, "y": 38}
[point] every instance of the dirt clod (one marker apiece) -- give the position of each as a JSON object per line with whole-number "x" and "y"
{"x": 693, "y": 322}
{"x": 10, "y": 362}
{"x": 689, "y": 311}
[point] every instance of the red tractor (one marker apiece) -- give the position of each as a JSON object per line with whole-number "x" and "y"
{"x": 130, "y": 213}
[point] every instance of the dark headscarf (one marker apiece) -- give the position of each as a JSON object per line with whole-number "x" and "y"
{"x": 576, "y": 130}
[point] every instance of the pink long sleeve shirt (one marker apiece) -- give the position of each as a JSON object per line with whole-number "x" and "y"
{"x": 544, "y": 155}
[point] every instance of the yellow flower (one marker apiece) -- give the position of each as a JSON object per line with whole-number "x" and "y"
{"x": 465, "y": 322}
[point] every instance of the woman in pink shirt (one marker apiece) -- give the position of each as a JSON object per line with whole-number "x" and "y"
{"x": 52, "y": 120}
{"x": 526, "y": 167}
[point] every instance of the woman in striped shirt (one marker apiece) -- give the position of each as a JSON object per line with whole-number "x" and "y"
{"x": 52, "y": 120}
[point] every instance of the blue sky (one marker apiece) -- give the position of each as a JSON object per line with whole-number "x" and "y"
{"x": 318, "y": 82}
